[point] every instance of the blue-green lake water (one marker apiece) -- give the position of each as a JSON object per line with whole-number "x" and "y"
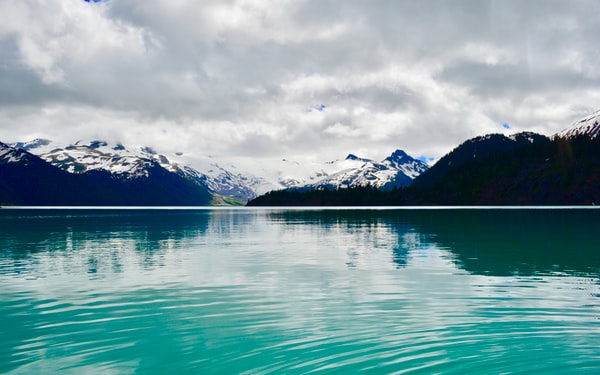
{"x": 228, "y": 291}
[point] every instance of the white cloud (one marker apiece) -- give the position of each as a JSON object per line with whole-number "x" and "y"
{"x": 236, "y": 77}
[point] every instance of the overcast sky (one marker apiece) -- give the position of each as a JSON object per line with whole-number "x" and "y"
{"x": 295, "y": 78}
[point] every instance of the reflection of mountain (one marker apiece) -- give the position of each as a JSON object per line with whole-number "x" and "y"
{"x": 481, "y": 241}
{"x": 103, "y": 236}
{"x": 484, "y": 241}
{"x": 371, "y": 229}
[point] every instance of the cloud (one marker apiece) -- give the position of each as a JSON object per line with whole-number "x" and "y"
{"x": 324, "y": 78}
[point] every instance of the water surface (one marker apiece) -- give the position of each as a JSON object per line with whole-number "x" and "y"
{"x": 296, "y": 291}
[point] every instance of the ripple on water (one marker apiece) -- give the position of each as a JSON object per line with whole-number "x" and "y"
{"x": 333, "y": 297}
{"x": 234, "y": 329}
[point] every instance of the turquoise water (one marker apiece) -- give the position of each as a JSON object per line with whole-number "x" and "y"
{"x": 300, "y": 291}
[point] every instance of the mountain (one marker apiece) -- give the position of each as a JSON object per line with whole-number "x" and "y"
{"x": 265, "y": 175}
{"x": 408, "y": 167}
{"x": 126, "y": 163}
{"x": 397, "y": 170}
{"x": 546, "y": 172}
{"x": 475, "y": 149}
{"x": 86, "y": 156}
{"x": 524, "y": 168}
{"x": 239, "y": 180}
{"x": 26, "y": 179}
{"x": 521, "y": 169}
{"x": 31, "y": 145}
{"x": 587, "y": 126}
{"x": 10, "y": 155}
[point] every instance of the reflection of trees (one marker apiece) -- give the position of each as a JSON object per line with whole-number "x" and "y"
{"x": 484, "y": 241}
{"x": 93, "y": 240}
{"x": 526, "y": 242}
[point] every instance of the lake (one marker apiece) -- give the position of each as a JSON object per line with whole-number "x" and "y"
{"x": 154, "y": 291}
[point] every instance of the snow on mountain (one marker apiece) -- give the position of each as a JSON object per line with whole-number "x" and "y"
{"x": 83, "y": 156}
{"x": 36, "y": 143}
{"x": 264, "y": 175}
{"x": 589, "y": 125}
{"x": 401, "y": 161}
{"x": 398, "y": 169}
{"x": 224, "y": 182}
{"x": 239, "y": 178}
{"x": 9, "y": 154}
{"x": 277, "y": 174}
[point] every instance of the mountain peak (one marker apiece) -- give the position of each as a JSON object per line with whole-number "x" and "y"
{"x": 354, "y": 157}
{"x": 126, "y": 163}
{"x": 27, "y": 146}
{"x": 589, "y": 125}
{"x": 397, "y": 155}
{"x": 410, "y": 166}
{"x": 398, "y": 169}
{"x": 9, "y": 154}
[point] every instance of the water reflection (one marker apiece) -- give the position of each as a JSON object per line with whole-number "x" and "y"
{"x": 492, "y": 242}
{"x": 279, "y": 291}
{"x": 92, "y": 241}
{"x": 519, "y": 242}
{"x": 482, "y": 241}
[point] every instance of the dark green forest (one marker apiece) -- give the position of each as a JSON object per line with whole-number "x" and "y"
{"x": 529, "y": 169}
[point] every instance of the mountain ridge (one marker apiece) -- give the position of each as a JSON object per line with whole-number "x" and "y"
{"x": 82, "y": 156}
{"x": 26, "y": 179}
{"x": 481, "y": 170}
{"x": 589, "y": 126}
{"x": 477, "y": 147}
{"x": 521, "y": 169}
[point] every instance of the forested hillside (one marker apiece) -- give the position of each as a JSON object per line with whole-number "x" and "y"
{"x": 538, "y": 171}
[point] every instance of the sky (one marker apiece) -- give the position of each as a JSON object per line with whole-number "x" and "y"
{"x": 305, "y": 79}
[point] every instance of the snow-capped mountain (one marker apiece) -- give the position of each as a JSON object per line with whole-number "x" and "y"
{"x": 241, "y": 179}
{"x": 82, "y": 157}
{"x": 97, "y": 155}
{"x": 132, "y": 163}
{"x": 224, "y": 182}
{"x": 9, "y": 154}
{"x": 398, "y": 169}
{"x": 14, "y": 155}
{"x": 246, "y": 178}
{"x": 589, "y": 125}
{"x": 27, "y": 146}
{"x": 27, "y": 179}
{"x": 408, "y": 165}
